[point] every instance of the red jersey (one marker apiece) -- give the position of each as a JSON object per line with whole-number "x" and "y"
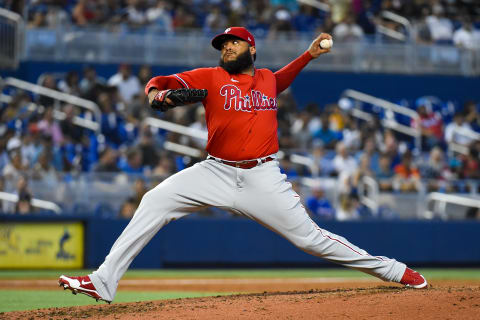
{"x": 240, "y": 110}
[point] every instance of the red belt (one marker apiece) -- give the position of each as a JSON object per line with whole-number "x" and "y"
{"x": 246, "y": 164}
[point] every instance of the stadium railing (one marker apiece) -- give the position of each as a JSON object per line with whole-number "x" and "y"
{"x": 439, "y": 202}
{"x": 390, "y": 109}
{"x": 36, "y": 203}
{"x": 191, "y": 48}
{"x": 58, "y": 96}
{"x": 11, "y": 40}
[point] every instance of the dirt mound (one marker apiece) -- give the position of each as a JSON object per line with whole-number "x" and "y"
{"x": 380, "y": 302}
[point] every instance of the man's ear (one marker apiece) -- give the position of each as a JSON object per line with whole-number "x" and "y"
{"x": 253, "y": 50}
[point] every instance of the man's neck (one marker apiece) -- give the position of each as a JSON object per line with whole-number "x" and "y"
{"x": 250, "y": 71}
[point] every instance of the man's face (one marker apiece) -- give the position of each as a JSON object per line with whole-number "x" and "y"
{"x": 236, "y": 55}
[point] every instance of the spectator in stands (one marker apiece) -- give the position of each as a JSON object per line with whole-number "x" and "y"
{"x": 431, "y": 127}
{"x": 319, "y": 206}
{"x": 43, "y": 169}
{"x": 49, "y": 126}
{"x": 144, "y": 75}
{"x": 363, "y": 170}
{"x": 436, "y": 171}
{"x": 183, "y": 19}
{"x": 159, "y": 16}
{"x": 131, "y": 204}
{"x": 440, "y": 27}
{"x": 323, "y": 165}
{"x": 288, "y": 168}
{"x": 407, "y": 176}
{"x": 299, "y": 129}
{"x": 464, "y": 37}
{"x": 50, "y": 83}
{"x": 128, "y": 85}
{"x": 348, "y": 208}
{"x": 470, "y": 168}
{"x": 108, "y": 161}
{"x": 112, "y": 124}
{"x": 454, "y": 130}
{"x": 132, "y": 163}
{"x": 199, "y": 124}
{"x": 384, "y": 173}
{"x": 215, "y": 20}
{"x": 328, "y": 137}
{"x": 339, "y": 9}
{"x": 71, "y": 131}
{"x": 70, "y": 84}
{"x": 472, "y": 116}
{"x": 165, "y": 167}
{"x": 351, "y": 134}
{"x": 343, "y": 161}
{"x": 84, "y": 12}
{"x": 135, "y": 14}
{"x": 38, "y": 19}
{"x": 24, "y": 203}
{"x": 147, "y": 147}
{"x": 90, "y": 82}
{"x": 348, "y": 30}
{"x": 281, "y": 22}
{"x": 16, "y": 165}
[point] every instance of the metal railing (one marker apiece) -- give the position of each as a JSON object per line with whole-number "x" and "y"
{"x": 191, "y": 48}
{"x": 36, "y": 203}
{"x": 368, "y": 191}
{"x": 390, "y": 108}
{"x": 11, "y": 39}
{"x": 90, "y": 106}
{"x": 404, "y": 22}
{"x": 59, "y": 115}
{"x": 440, "y": 201}
{"x": 460, "y": 148}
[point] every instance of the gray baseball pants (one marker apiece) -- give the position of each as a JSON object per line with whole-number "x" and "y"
{"x": 260, "y": 193}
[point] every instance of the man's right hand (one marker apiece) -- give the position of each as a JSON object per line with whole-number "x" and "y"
{"x": 153, "y": 93}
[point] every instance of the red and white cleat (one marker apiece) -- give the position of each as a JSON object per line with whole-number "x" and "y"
{"x": 413, "y": 279}
{"x": 80, "y": 285}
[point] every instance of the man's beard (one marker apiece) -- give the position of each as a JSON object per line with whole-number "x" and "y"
{"x": 243, "y": 62}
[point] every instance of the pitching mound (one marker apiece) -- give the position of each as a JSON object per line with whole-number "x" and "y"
{"x": 379, "y": 302}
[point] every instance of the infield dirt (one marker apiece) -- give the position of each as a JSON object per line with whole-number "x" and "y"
{"x": 328, "y": 300}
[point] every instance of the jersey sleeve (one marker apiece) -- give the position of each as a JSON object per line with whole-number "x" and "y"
{"x": 285, "y": 76}
{"x": 194, "y": 79}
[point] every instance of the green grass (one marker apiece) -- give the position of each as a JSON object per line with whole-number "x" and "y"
{"x": 242, "y": 273}
{"x": 12, "y": 300}
{"x": 27, "y": 300}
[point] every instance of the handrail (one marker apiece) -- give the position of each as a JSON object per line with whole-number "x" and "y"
{"x": 59, "y": 115}
{"x": 389, "y": 121}
{"x": 316, "y": 4}
{"x": 398, "y": 19}
{"x": 17, "y": 38}
{"x": 58, "y": 95}
{"x": 443, "y": 199}
{"x": 37, "y": 203}
{"x": 371, "y": 198}
{"x": 179, "y": 148}
{"x": 167, "y": 125}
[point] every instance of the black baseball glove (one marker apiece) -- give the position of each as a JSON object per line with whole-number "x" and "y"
{"x": 178, "y": 97}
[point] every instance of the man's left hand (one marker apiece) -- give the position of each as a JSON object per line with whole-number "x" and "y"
{"x": 315, "y": 49}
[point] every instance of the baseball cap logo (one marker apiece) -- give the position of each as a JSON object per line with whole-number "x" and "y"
{"x": 227, "y": 30}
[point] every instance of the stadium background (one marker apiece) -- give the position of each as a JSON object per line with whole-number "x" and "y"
{"x": 392, "y": 178}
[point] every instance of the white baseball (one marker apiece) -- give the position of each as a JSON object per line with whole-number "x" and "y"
{"x": 326, "y": 43}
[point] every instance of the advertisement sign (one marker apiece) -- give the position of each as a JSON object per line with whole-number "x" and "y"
{"x": 41, "y": 245}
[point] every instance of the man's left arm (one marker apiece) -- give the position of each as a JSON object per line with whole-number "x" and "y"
{"x": 287, "y": 74}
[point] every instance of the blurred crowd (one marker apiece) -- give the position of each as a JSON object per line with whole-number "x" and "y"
{"x": 435, "y": 21}
{"x": 41, "y": 140}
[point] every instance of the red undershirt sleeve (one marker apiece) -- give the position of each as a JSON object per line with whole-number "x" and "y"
{"x": 287, "y": 74}
{"x": 163, "y": 83}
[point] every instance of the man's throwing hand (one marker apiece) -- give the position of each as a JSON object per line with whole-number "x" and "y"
{"x": 168, "y": 99}
{"x": 315, "y": 49}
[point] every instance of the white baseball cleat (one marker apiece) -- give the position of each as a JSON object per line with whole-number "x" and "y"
{"x": 80, "y": 285}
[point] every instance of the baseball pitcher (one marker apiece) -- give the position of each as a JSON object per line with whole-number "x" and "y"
{"x": 241, "y": 173}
